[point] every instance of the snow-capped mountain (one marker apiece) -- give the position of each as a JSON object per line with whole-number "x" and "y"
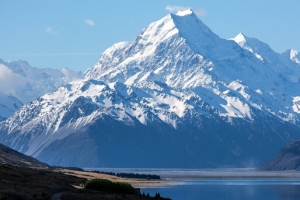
{"x": 176, "y": 96}
{"x": 182, "y": 52}
{"x": 21, "y": 83}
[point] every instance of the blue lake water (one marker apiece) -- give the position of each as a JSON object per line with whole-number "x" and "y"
{"x": 250, "y": 187}
{"x": 231, "y": 189}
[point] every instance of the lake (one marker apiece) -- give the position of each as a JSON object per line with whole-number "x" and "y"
{"x": 223, "y": 184}
{"x": 230, "y": 189}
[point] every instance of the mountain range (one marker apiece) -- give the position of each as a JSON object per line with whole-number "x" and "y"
{"x": 22, "y": 83}
{"x": 178, "y": 95}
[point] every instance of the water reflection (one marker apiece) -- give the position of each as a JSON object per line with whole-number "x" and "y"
{"x": 291, "y": 192}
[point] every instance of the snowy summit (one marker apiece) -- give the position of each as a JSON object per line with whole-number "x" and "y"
{"x": 240, "y": 38}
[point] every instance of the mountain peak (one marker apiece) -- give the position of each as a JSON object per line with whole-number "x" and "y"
{"x": 240, "y": 38}
{"x": 181, "y": 29}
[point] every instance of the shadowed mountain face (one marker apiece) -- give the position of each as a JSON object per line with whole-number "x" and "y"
{"x": 12, "y": 157}
{"x": 178, "y": 95}
{"x": 288, "y": 158}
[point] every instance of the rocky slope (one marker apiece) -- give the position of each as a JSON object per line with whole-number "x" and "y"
{"x": 288, "y": 158}
{"x": 176, "y": 96}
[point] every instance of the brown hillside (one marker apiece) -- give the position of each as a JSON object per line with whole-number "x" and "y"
{"x": 12, "y": 157}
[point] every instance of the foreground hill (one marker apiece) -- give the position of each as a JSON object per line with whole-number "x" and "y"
{"x": 178, "y": 95}
{"x": 23, "y": 177}
{"x": 26, "y": 183}
{"x": 12, "y": 157}
{"x": 288, "y": 158}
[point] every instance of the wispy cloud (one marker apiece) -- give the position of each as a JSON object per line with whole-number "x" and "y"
{"x": 9, "y": 80}
{"x": 175, "y": 8}
{"x": 51, "y": 31}
{"x": 89, "y": 22}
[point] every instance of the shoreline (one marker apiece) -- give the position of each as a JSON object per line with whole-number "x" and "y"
{"x": 174, "y": 177}
{"x": 136, "y": 183}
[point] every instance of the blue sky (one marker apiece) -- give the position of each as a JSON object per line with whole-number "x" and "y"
{"x": 73, "y": 34}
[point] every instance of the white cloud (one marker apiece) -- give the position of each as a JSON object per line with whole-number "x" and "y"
{"x": 89, "y": 22}
{"x": 9, "y": 80}
{"x": 51, "y": 31}
{"x": 175, "y": 9}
